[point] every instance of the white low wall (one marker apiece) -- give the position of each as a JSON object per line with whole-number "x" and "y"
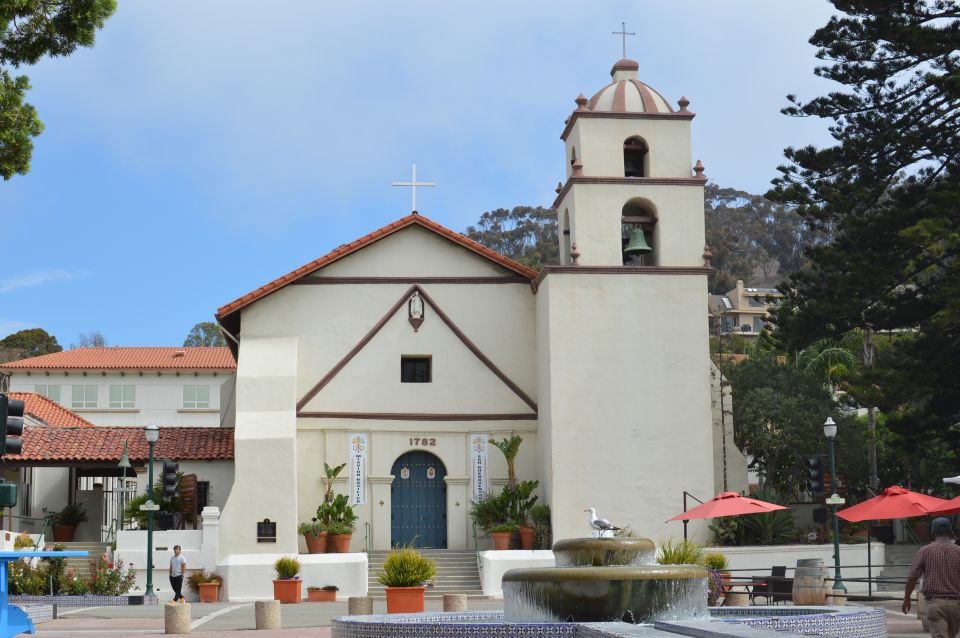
{"x": 250, "y": 576}
{"x": 758, "y": 559}
{"x": 132, "y": 548}
{"x": 494, "y": 563}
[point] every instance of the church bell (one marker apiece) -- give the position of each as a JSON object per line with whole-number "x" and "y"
{"x": 638, "y": 244}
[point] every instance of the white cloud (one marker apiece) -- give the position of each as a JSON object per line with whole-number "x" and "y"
{"x": 38, "y": 278}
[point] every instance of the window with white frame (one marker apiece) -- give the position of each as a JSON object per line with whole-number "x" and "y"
{"x": 84, "y": 396}
{"x": 123, "y": 396}
{"x": 196, "y": 396}
{"x": 52, "y": 392}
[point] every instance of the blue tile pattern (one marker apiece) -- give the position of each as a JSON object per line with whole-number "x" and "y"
{"x": 729, "y": 622}
{"x": 82, "y": 601}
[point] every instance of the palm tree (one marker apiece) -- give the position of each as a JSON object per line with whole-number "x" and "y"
{"x": 510, "y": 447}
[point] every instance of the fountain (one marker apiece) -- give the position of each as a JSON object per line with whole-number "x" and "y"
{"x": 611, "y": 588}
{"x": 605, "y": 579}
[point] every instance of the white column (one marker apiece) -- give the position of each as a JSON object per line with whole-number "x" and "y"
{"x": 210, "y": 541}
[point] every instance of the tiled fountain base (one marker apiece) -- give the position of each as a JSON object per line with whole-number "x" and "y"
{"x": 744, "y": 622}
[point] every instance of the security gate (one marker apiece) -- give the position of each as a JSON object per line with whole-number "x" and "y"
{"x": 419, "y": 501}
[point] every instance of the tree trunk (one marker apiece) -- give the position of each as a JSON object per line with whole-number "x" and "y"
{"x": 869, "y": 356}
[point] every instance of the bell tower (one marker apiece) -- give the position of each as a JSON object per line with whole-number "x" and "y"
{"x": 625, "y": 421}
{"x": 630, "y": 182}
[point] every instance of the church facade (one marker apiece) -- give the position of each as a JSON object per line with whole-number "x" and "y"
{"x": 405, "y": 351}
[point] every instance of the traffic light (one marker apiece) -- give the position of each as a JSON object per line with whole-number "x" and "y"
{"x": 171, "y": 484}
{"x": 11, "y": 425}
{"x": 814, "y": 468}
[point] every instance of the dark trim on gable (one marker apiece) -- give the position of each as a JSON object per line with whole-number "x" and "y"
{"x": 634, "y": 181}
{"x": 383, "y": 321}
{"x": 321, "y": 281}
{"x": 620, "y": 270}
{"x": 416, "y": 416}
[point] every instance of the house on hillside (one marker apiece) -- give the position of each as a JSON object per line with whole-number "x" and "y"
{"x": 741, "y": 311}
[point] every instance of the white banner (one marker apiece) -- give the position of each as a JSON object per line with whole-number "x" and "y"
{"x": 478, "y": 465}
{"x": 358, "y": 468}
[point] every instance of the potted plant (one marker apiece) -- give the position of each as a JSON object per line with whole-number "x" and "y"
{"x": 405, "y": 570}
{"x": 718, "y": 581}
{"x": 315, "y": 534}
{"x": 325, "y": 594}
{"x": 501, "y": 535}
{"x": 522, "y": 500}
{"x": 339, "y": 519}
{"x": 286, "y": 587}
{"x": 64, "y": 523}
{"x": 206, "y": 585}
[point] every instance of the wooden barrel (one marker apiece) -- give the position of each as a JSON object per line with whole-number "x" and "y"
{"x": 810, "y": 582}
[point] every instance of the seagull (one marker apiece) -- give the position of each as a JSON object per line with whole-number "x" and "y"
{"x": 600, "y": 524}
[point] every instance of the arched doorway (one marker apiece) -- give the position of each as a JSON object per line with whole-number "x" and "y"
{"x": 419, "y": 501}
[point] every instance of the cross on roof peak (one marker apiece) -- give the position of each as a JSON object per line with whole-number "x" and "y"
{"x": 623, "y": 32}
{"x": 413, "y": 183}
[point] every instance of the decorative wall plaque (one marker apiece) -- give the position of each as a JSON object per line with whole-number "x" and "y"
{"x": 405, "y": 473}
{"x": 266, "y": 531}
{"x": 431, "y": 472}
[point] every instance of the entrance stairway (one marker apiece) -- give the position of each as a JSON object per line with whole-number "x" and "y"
{"x": 82, "y": 565}
{"x": 457, "y": 573}
{"x": 896, "y": 555}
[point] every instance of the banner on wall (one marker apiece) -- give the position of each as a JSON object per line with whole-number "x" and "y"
{"x": 478, "y": 464}
{"x": 358, "y": 468}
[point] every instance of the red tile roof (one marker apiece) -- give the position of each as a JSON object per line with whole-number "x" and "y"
{"x": 49, "y": 412}
{"x": 101, "y": 444}
{"x": 126, "y": 358}
{"x": 410, "y": 220}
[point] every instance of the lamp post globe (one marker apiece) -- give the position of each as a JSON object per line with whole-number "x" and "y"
{"x": 152, "y": 434}
{"x": 830, "y": 431}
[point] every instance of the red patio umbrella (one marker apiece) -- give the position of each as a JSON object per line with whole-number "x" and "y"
{"x": 728, "y": 504}
{"x": 893, "y": 502}
{"x": 951, "y": 507}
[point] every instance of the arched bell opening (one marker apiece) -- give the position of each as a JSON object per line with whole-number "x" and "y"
{"x": 638, "y": 232}
{"x": 565, "y": 237}
{"x": 636, "y": 157}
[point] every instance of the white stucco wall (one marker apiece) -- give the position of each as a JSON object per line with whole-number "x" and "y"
{"x": 627, "y": 381}
{"x": 599, "y": 144}
{"x": 736, "y": 469}
{"x": 158, "y": 396}
{"x": 250, "y": 577}
{"x": 494, "y": 564}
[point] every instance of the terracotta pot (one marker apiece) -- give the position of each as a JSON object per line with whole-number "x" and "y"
{"x": 331, "y": 543}
{"x": 528, "y": 535}
{"x": 63, "y": 533}
{"x": 404, "y": 600}
{"x": 321, "y": 596}
{"x": 316, "y": 544}
{"x": 342, "y": 542}
{"x": 725, "y": 579}
{"x": 209, "y": 592}
{"x": 501, "y": 540}
{"x": 287, "y": 591}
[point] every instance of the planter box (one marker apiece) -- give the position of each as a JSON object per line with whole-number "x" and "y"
{"x": 209, "y": 592}
{"x": 404, "y": 600}
{"x": 321, "y": 596}
{"x": 287, "y": 591}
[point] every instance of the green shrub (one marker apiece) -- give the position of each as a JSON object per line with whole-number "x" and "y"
{"x": 406, "y": 567}
{"x": 715, "y": 560}
{"x": 22, "y": 541}
{"x": 503, "y": 527}
{"x": 72, "y": 515}
{"x": 313, "y": 528}
{"x": 25, "y": 580}
{"x": 71, "y": 585}
{"x": 679, "y": 552}
{"x": 201, "y": 577}
{"x": 287, "y": 567}
{"x": 111, "y": 579}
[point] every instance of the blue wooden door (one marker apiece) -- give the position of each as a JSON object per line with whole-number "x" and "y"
{"x": 419, "y": 501}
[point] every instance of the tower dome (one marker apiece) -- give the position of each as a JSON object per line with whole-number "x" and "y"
{"x": 627, "y": 94}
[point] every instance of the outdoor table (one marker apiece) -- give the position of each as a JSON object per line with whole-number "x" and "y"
{"x": 13, "y": 620}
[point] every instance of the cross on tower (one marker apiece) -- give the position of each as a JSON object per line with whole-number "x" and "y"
{"x": 413, "y": 183}
{"x": 623, "y": 32}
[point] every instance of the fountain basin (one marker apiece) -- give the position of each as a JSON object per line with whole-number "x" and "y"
{"x": 600, "y": 552}
{"x": 629, "y": 593}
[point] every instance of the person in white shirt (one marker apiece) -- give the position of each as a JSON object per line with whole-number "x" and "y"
{"x": 178, "y": 566}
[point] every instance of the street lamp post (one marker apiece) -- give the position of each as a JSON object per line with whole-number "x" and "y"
{"x": 830, "y": 431}
{"x": 152, "y": 434}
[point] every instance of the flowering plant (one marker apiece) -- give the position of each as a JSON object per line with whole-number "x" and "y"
{"x": 111, "y": 579}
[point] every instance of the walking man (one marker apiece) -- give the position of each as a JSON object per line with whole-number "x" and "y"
{"x": 178, "y": 566}
{"x": 939, "y": 564}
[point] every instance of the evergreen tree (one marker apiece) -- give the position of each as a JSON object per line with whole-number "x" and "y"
{"x": 205, "y": 333}
{"x": 32, "y": 342}
{"x": 525, "y": 234}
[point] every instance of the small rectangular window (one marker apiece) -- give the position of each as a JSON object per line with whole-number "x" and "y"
{"x": 123, "y": 396}
{"x": 415, "y": 370}
{"x": 196, "y": 396}
{"x": 52, "y": 392}
{"x": 84, "y": 396}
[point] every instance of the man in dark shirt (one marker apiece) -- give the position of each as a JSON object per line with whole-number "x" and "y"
{"x": 939, "y": 564}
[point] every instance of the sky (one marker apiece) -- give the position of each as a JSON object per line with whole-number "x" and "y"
{"x": 202, "y": 149}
